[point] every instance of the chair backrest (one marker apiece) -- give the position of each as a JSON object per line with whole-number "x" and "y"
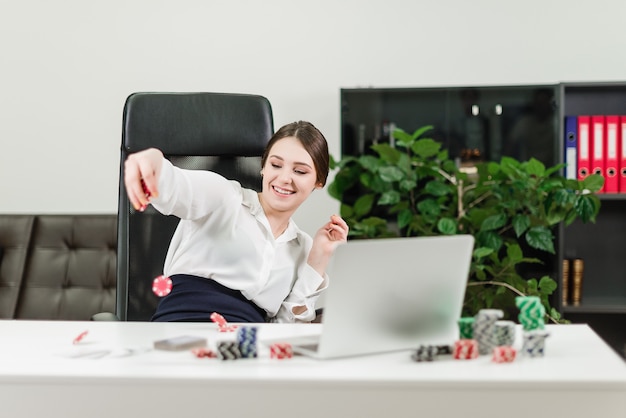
{"x": 225, "y": 133}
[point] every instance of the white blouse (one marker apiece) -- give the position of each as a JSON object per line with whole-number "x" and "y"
{"x": 224, "y": 235}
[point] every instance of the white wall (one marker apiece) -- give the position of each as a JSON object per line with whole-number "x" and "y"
{"x": 66, "y": 67}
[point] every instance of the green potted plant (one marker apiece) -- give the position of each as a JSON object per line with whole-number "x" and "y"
{"x": 512, "y": 208}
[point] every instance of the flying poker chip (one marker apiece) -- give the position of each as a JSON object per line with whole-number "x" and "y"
{"x": 222, "y": 325}
{"x": 162, "y": 286}
{"x": 80, "y": 337}
{"x": 218, "y": 319}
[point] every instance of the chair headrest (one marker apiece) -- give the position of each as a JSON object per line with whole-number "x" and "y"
{"x": 199, "y": 124}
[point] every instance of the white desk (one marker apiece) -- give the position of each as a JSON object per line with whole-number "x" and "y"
{"x": 580, "y": 376}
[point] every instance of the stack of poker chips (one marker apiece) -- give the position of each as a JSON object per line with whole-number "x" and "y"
{"x": 281, "y": 351}
{"x": 484, "y": 329}
{"x": 534, "y": 343}
{"x": 531, "y": 312}
{"x": 466, "y": 327}
{"x": 465, "y": 349}
{"x": 504, "y": 333}
{"x": 531, "y": 316}
{"x": 504, "y": 354}
{"x": 228, "y": 350}
{"x": 504, "y": 337}
{"x": 246, "y": 339}
{"x": 425, "y": 353}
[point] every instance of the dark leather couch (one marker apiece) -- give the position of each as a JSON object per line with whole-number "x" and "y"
{"x": 57, "y": 266}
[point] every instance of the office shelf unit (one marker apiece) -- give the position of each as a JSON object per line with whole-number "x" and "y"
{"x": 521, "y": 121}
{"x": 601, "y": 246}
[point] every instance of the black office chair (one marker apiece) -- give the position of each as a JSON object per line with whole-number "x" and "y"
{"x": 225, "y": 133}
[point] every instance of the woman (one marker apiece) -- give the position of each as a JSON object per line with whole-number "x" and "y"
{"x": 235, "y": 251}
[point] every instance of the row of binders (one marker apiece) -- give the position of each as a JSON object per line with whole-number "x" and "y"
{"x": 596, "y": 144}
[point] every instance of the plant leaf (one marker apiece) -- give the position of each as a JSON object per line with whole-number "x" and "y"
{"x": 587, "y": 207}
{"x": 593, "y": 182}
{"x": 436, "y": 188}
{"x": 541, "y": 238}
{"x": 514, "y": 252}
{"x": 387, "y": 152}
{"x": 535, "y": 168}
{"x": 402, "y": 138}
{"x": 390, "y": 173}
{"x": 547, "y": 285}
{"x": 447, "y": 226}
{"x": 404, "y": 218}
{"x": 428, "y": 207}
{"x": 520, "y": 224}
{"x": 426, "y": 148}
{"x": 489, "y": 239}
{"x": 420, "y": 131}
{"x": 407, "y": 185}
{"x": 363, "y": 205}
{"x": 390, "y": 197}
{"x": 482, "y": 252}
{"x": 369, "y": 162}
{"x": 494, "y": 222}
{"x": 531, "y": 287}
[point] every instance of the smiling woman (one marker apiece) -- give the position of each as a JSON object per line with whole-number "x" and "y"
{"x": 289, "y": 177}
{"x": 235, "y": 251}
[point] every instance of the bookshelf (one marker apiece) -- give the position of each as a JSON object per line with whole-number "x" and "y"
{"x": 602, "y": 246}
{"x": 520, "y": 121}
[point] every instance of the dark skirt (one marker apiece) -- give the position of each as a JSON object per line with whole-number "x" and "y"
{"x": 194, "y": 299}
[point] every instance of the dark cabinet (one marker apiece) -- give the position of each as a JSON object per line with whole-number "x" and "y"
{"x": 601, "y": 246}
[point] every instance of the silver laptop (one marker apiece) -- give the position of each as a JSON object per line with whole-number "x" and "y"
{"x": 392, "y": 294}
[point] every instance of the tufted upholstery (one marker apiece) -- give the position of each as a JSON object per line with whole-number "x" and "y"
{"x": 15, "y": 233}
{"x": 57, "y": 266}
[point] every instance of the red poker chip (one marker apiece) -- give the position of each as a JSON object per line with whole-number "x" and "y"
{"x": 80, "y": 337}
{"x": 145, "y": 189}
{"x": 218, "y": 319}
{"x": 222, "y": 324}
{"x": 503, "y": 354}
{"x": 162, "y": 286}
{"x": 281, "y": 351}
{"x": 204, "y": 353}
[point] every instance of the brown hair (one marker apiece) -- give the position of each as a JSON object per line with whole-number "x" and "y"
{"x": 313, "y": 142}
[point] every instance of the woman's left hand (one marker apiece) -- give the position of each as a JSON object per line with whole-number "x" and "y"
{"x": 326, "y": 240}
{"x": 335, "y": 232}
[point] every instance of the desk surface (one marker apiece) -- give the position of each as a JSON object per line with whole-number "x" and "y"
{"x": 578, "y": 375}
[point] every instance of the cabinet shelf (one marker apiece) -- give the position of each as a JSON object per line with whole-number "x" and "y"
{"x": 598, "y": 305}
{"x": 612, "y": 196}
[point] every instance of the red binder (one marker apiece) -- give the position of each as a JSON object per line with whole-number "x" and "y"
{"x": 622, "y": 152}
{"x": 597, "y": 146}
{"x": 584, "y": 162}
{"x": 611, "y": 166}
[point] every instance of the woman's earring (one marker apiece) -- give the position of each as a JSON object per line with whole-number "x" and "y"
{"x": 261, "y": 172}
